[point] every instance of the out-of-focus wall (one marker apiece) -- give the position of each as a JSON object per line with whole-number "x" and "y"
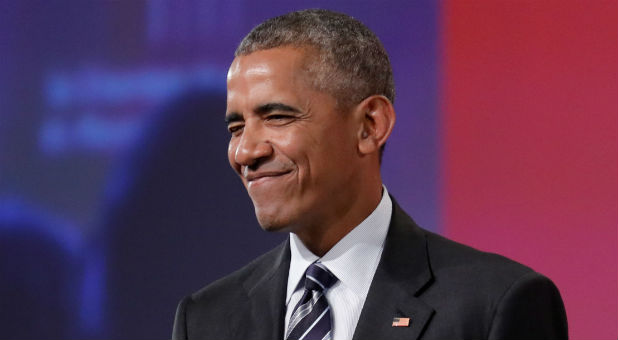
{"x": 530, "y": 145}
{"x": 116, "y": 198}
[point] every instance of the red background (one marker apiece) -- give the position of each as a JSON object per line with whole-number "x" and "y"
{"x": 530, "y": 146}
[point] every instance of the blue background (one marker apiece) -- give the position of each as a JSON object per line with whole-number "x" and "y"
{"x": 116, "y": 198}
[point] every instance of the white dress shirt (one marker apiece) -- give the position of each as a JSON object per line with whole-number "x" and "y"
{"x": 353, "y": 260}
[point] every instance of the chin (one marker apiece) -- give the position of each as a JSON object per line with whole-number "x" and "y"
{"x": 271, "y": 220}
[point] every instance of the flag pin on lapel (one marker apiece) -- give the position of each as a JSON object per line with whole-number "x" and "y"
{"x": 401, "y": 322}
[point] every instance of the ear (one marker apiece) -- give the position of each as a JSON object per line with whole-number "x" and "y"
{"x": 377, "y": 118}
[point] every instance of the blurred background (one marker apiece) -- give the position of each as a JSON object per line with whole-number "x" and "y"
{"x": 116, "y": 199}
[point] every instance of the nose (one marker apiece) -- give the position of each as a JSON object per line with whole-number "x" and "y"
{"x": 252, "y": 147}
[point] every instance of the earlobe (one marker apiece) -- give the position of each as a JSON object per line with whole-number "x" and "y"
{"x": 377, "y": 120}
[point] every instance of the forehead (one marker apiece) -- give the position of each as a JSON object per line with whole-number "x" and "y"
{"x": 275, "y": 62}
{"x": 275, "y": 74}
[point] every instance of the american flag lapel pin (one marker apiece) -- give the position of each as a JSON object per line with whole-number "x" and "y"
{"x": 401, "y": 322}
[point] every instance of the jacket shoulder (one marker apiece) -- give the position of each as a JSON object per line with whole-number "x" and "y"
{"x": 208, "y": 310}
{"x": 502, "y": 298}
{"x": 239, "y": 280}
{"x": 448, "y": 256}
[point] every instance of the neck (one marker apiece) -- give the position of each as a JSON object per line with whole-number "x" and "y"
{"x": 321, "y": 236}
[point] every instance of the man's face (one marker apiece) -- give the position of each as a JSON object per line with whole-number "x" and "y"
{"x": 293, "y": 148}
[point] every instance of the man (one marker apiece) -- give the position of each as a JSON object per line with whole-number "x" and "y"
{"x": 309, "y": 110}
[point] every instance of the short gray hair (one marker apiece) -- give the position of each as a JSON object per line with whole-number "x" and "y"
{"x": 352, "y": 63}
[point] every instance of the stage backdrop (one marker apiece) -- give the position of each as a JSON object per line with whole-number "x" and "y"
{"x": 116, "y": 198}
{"x": 529, "y": 118}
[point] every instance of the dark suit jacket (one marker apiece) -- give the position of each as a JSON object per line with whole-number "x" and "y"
{"x": 448, "y": 290}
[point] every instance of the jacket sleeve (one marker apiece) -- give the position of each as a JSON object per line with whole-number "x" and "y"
{"x": 180, "y": 322}
{"x": 530, "y": 309}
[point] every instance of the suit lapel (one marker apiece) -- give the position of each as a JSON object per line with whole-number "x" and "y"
{"x": 401, "y": 275}
{"x": 266, "y": 300}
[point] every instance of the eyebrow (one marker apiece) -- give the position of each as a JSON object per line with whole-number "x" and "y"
{"x": 270, "y": 107}
{"x": 233, "y": 117}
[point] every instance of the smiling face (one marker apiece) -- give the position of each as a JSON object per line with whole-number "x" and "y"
{"x": 294, "y": 149}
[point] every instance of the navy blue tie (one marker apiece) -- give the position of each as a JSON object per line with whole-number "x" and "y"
{"x": 311, "y": 318}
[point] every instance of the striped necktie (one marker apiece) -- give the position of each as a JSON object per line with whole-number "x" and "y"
{"x": 311, "y": 318}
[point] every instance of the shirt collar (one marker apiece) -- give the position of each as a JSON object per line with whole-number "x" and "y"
{"x": 354, "y": 259}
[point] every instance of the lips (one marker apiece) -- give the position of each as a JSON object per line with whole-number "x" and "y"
{"x": 254, "y": 176}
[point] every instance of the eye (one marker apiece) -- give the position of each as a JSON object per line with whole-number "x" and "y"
{"x": 279, "y": 119}
{"x": 277, "y": 116}
{"x": 235, "y": 129}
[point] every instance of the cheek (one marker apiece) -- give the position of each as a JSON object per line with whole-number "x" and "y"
{"x": 309, "y": 151}
{"x": 293, "y": 146}
{"x": 334, "y": 152}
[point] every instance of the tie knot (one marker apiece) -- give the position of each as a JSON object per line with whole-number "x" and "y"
{"x": 318, "y": 277}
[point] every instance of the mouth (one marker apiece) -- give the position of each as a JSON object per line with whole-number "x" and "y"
{"x": 263, "y": 176}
